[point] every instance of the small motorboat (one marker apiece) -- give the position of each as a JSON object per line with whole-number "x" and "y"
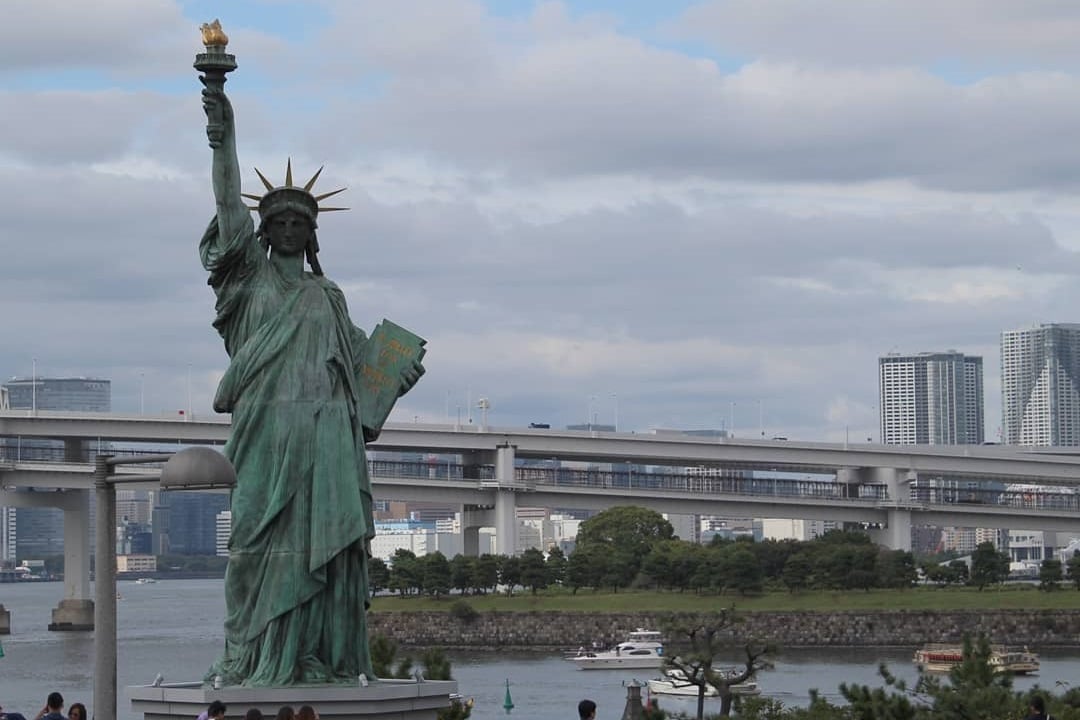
{"x": 674, "y": 682}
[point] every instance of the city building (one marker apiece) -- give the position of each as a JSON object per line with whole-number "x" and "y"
{"x": 223, "y": 524}
{"x": 192, "y": 521}
{"x": 931, "y": 398}
{"x": 419, "y": 537}
{"x": 69, "y": 394}
{"x": 1040, "y": 385}
{"x": 136, "y": 563}
{"x": 790, "y": 529}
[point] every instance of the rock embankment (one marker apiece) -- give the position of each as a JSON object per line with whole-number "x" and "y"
{"x": 562, "y": 630}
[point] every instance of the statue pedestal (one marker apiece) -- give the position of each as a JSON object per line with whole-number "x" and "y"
{"x": 73, "y": 615}
{"x": 381, "y": 700}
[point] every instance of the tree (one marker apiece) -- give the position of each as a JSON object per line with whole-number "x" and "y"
{"x": 378, "y": 575}
{"x": 797, "y": 571}
{"x": 659, "y": 565}
{"x": 973, "y": 690}
{"x": 896, "y": 569}
{"x": 556, "y": 565}
{"x": 436, "y": 667}
{"x": 627, "y": 529}
{"x": 959, "y": 571}
{"x": 704, "y": 639}
{"x": 436, "y": 574}
{"x": 743, "y": 572}
{"x": 988, "y": 565}
{"x": 510, "y": 572}
{"x": 534, "y": 572}
{"x": 406, "y": 575}
{"x": 1050, "y": 574}
{"x": 1073, "y": 564}
{"x": 585, "y": 567}
{"x": 486, "y": 573}
{"x": 462, "y": 572}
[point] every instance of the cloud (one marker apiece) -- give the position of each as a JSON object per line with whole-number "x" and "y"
{"x": 572, "y": 214}
{"x": 963, "y": 34}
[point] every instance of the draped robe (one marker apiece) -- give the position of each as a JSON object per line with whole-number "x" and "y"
{"x": 296, "y": 588}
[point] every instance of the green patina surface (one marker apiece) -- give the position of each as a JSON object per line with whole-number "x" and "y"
{"x": 296, "y": 588}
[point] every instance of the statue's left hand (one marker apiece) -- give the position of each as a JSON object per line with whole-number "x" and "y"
{"x": 410, "y": 376}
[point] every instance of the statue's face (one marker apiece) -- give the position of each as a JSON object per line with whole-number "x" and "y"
{"x": 288, "y": 232}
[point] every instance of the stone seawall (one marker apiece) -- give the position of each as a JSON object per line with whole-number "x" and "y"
{"x": 547, "y": 631}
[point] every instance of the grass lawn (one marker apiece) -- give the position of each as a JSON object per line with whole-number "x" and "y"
{"x": 1012, "y": 597}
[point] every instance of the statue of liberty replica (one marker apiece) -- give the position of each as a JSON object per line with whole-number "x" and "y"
{"x": 307, "y": 389}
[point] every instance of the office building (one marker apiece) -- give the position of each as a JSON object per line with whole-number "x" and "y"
{"x": 192, "y": 523}
{"x": 68, "y": 394}
{"x": 223, "y": 524}
{"x": 1040, "y": 385}
{"x": 931, "y": 399}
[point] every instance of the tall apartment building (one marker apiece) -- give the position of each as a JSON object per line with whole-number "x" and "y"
{"x": 1040, "y": 385}
{"x": 37, "y": 533}
{"x": 931, "y": 398}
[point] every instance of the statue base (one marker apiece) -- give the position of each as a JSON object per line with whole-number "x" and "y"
{"x": 380, "y": 700}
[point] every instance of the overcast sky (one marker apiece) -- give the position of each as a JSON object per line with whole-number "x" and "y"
{"x": 679, "y": 212}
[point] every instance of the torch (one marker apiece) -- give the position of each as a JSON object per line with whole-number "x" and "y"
{"x": 214, "y": 63}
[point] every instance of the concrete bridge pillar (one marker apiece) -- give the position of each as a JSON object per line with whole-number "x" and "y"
{"x": 505, "y": 501}
{"x": 5, "y": 621}
{"x": 896, "y": 534}
{"x": 76, "y": 609}
{"x": 474, "y": 517}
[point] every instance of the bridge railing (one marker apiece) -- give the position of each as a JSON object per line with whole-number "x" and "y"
{"x": 1048, "y": 499}
{"x": 1027, "y": 498}
{"x": 683, "y": 482}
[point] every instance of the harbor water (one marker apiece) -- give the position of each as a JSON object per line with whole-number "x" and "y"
{"x": 174, "y": 628}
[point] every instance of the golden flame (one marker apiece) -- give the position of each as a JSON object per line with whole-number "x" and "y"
{"x": 212, "y": 34}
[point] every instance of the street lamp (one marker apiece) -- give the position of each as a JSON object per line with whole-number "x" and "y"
{"x": 197, "y": 468}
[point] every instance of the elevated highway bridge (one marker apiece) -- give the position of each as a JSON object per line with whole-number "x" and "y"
{"x": 491, "y": 471}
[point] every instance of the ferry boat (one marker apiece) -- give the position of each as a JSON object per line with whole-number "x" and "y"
{"x": 642, "y": 649}
{"x": 943, "y": 658}
{"x": 674, "y": 682}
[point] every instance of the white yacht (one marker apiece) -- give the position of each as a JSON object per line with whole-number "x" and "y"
{"x": 674, "y": 682}
{"x": 642, "y": 649}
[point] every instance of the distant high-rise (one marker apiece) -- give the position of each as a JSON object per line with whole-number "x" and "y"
{"x": 931, "y": 398}
{"x": 1040, "y": 385}
{"x": 193, "y": 527}
{"x": 71, "y": 394}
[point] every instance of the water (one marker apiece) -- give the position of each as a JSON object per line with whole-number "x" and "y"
{"x": 174, "y": 627}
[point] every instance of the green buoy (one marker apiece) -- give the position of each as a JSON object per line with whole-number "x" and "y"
{"x": 508, "y": 702}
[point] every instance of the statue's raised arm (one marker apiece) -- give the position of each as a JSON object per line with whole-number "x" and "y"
{"x": 221, "y": 128}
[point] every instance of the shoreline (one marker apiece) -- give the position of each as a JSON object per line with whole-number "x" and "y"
{"x": 553, "y": 631}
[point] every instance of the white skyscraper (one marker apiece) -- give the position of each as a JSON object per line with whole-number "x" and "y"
{"x": 1040, "y": 385}
{"x": 931, "y": 399}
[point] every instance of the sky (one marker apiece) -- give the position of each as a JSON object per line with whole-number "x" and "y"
{"x": 712, "y": 214}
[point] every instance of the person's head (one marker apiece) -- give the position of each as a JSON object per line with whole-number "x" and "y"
{"x": 586, "y": 709}
{"x": 307, "y": 712}
{"x": 77, "y": 711}
{"x": 253, "y": 714}
{"x": 1038, "y": 704}
{"x": 285, "y": 712}
{"x": 55, "y": 701}
{"x": 216, "y": 710}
